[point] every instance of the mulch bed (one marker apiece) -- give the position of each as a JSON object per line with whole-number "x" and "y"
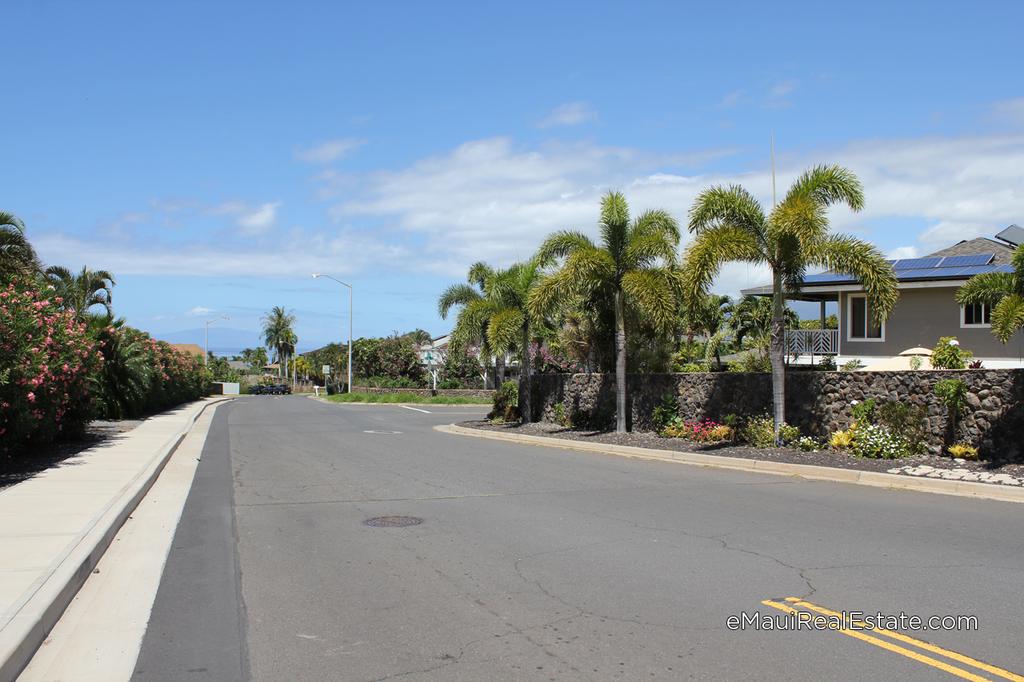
{"x": 827, "y": 458}
{"x": 22, "y": 466}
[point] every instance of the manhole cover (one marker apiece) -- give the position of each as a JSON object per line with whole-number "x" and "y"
{"x": 393, "y": 521}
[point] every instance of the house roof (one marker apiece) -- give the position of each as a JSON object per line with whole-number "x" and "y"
{"x": 190, "y": 348}
{"x": 955, "y": 263}
{"x": 1002, "y": 253}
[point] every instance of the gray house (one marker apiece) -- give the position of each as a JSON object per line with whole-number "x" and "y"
{"x": 926, "y": 309}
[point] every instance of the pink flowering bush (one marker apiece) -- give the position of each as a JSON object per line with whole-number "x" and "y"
{"x": 46, "y": 363}
{"x": 700, "y": 431}
{"x": 546, "y": 361}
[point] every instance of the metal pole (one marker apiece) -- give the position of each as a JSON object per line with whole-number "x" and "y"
{"x": 206, "y": 346}
{"x": 350, "y": 338}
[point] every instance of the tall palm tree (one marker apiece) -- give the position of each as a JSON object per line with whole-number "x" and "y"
{"x": 16, "y": 253}
{"x": 279, "y": 336}
{"x": 83, "y": 290}
{"x": 1004, "y": 292}
{"x": 730, "y": 225}
{"x": 474, "y": 318}
{"x": 511, "y": 325}
{"x": 631, "y": 267}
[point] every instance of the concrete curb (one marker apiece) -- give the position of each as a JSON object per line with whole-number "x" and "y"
{"x": 984, "y": 491}
{"x": 36, "y": 615}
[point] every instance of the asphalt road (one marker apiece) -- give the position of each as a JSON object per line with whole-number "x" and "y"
{"x": 541, "y": 563}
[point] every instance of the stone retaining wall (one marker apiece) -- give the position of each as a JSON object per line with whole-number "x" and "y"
{"x": 450, "y": 392}
{"x": 817, "y": 402}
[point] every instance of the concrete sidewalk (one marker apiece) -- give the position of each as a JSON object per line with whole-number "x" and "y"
{"x": 55, "y": 526}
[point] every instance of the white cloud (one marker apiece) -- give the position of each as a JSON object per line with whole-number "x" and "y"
{"x": 903, "y": 252}
{"x": 199, "y": 311}
{"x": 329, "y": 150}
{"x": 341, "y": 253}
{"x": 259, "y": 220}
{"x": 569, "y": 114}
{"x": 492, "y": 200}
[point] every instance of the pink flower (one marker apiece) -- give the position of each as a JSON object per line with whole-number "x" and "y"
{"x": 31, "y": 397}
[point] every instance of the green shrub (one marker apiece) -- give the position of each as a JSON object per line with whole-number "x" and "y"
{"x": 751, "y": 361}
{"x": 760, "y": 432}
{"x": 506, "y": 403}
{"x": 560, "y": 415}
{"x": 949, "y": 355}
{"x": 863, "y": 411}
{"x": 694, "y": 367}
{"x": 665, "y": 411}
{"x": 907, "y": 420}
{"x": 852, "y": 365}
{"x": 953, "y": 394}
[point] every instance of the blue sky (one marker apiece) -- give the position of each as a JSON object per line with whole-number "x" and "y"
{"x": 213, "y": 155}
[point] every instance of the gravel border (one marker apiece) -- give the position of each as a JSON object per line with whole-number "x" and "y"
{"x": 827, "y": 458}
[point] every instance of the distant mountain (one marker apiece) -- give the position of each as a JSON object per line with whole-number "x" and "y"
{"x": 222, "y": 339}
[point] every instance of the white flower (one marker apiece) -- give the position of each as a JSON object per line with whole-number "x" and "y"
{"x": 954, "y": 342}
{"x": 853, "y": 402}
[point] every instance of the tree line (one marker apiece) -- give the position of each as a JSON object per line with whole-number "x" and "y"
{"x": 630, "y": 300}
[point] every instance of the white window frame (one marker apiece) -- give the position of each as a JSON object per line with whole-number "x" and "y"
{"x": 849, "y": 321}
{"x": 982, "y": 325}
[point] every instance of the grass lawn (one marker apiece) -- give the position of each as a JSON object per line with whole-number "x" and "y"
{"x": 406, "y": 398}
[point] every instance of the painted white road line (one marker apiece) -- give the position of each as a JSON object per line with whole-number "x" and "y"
{"x": 415, "y": 408}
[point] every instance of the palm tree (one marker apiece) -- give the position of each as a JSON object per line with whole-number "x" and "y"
{"x": 730, "y": 225}
{"x": 16, "y": 253}
{"x": 511, "y": 325}
{"x": 751, "y": 318}
{"x": 632, "y": 267}
{"x": 474, "y": 317}
{"x": 83, "y": 290}
{"x": 279, "y": 337}
{"x": 1004, "y": 292}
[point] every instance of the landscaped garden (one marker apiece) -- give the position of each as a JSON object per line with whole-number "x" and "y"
{"x": 620, "y": 340}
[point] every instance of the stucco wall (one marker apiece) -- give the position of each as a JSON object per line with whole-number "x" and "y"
{"x": 817, "y": 402}
{"x": 920, "y": 317}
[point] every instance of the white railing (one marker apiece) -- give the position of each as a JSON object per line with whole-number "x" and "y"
{"x": 812, "y": 341}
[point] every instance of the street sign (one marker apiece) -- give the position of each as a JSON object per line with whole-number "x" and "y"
{"x": 327, "y": 370}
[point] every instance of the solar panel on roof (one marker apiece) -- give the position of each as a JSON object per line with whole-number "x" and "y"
{"x": 964, "y": 261}
{"x": 921, "y": 272}
{"x": 826, "y": 278}
{"x": 912, "y": 263}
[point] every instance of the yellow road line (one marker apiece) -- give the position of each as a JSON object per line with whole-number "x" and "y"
{"x": 920, "y": 658}
{"x": 927, "y": 646}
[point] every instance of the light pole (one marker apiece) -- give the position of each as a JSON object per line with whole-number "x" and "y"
{"x": 206, "y": 343}
{"x": 317, "y": 275}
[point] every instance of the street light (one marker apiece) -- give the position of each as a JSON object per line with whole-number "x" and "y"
{"x": 317, "y": 275}
{"x": 206, "y": 343}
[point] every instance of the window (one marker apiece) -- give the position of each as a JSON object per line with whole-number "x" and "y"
{"x": 863, "y": 326}
{"x": 976, "y": 315}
